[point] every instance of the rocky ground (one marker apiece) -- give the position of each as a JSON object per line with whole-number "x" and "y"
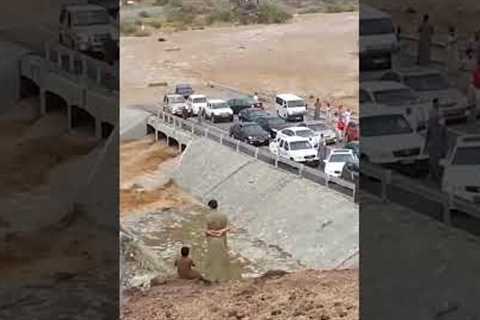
{"x": 303, "y": 295}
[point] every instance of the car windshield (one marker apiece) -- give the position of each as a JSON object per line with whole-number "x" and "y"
{"x": 300, "y": 145}
{"x": 90, "y": 18}
{"x": 341, "y": 157}
{"x": 244, "y": 102}
{"x": 199, "y": 100}
{"x": 253, "y": 130}
{"x": 427, "y": 82}
{"x": 369, "y": 27}
{"x": 304, "y": 133}
{"x": 219, "y": 105}
{"x": 295, "y": 103}
{"x": 467, "y": 156}
{"x": 395, "y": 97}
{"x": 177, "y": 99}
{"x": 318, "y": 127}
{"x": 384, "y": 126}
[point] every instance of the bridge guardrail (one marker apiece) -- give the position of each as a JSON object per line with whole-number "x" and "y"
{"x": 81, "y": 68}
{"x": 219, "y": 136}
{"x": 389, "y": 178}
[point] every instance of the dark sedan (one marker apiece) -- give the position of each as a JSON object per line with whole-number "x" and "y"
{"x": 184, "y": 90}
{"x": 240, "y": 104}
{"x": 251, "y": 133}
{"x": 272, "y": 124}
{"x": 354, "y": 146}
{"x": 249, "y": 114}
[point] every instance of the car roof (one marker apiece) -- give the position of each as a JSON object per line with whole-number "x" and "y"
{"x": 193, "y": 96}
{"x": 470, "y": 140}
{"x": 174, "y": 95}
{"x": 341, "y": 151}
{"x": 314, "y": 122}
{"x": 83, "y": 7}
{"x": 416, "y": 70}
{"x": 297, "y": 128}
{"x": 381, "y": 85}
{"x": 183, "y": 85}
{"x": 289, "y": 96}
{"x": 216, "y": 101}
{"x": 367, "y": 12}
{"x": 295, "y": 139}
{"x": 372, "y": 110}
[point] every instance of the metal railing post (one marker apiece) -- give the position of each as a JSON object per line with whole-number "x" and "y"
{"x": 221, "y": 139}
{"x": 385, "y": 181}
{"x": 99, "y": 75}
{"x": 256, "y": 153}
{"x": 300, "y": 170}
{"x": 447, "y": 204}
{"x": 276, "y": 161}
{"x": 237, "y": 149}
{"x": 206, "y": 133}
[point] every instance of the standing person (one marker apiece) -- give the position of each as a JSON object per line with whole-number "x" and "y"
{"x": 436, "y": 140}
{"x": 322, "y": 148}
{"x": 318, "y": 106}
{"x": 348, "y": 116}
{"x": 452, "y": 52}
{"x": 218, "y": 267}
{"x": 424, "y": 41}
{"x": 255, "y": 98}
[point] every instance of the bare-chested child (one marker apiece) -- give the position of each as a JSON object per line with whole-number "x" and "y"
{"x": 185, "y": 266}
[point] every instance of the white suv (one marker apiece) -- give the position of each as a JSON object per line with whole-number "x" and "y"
{"x": 290, "y": 107}
{"x": 297, "y": 149}
{"x": 174, "y": 104}
{"x": 461, "y": 175}
{"x": 302, "y": 132}
{"x": 85, "y": 27}
{"x": 336, "y": 160}
{"x": 217, "y": 109}
{"x": 388, "y": 138}
{"x": 196, "y": 103}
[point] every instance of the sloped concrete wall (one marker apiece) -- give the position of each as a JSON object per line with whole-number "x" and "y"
{"x": 315, "y": 225}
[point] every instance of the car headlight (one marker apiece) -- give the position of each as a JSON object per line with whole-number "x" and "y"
{"x": 249, "y": 137}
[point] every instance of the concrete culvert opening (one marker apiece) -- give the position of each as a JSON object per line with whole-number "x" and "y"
{"x": 28, "y": 88}
{"x": 173, "y": 143}
{"x": 107, "y": 129}
{"x": 82, "y": 121}
{"x": 55, "y": 103}
{"x": 150, "y": 130}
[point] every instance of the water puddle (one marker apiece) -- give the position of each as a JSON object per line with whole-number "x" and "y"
{"x": 165, "y": 232}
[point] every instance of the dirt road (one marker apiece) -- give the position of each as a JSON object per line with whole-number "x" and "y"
{"x": 293, "y": 57}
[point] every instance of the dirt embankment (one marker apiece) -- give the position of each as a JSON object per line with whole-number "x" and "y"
{"x": 318, "y": 295}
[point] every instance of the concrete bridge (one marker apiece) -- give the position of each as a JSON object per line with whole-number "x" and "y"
{"x": 82, "y": 88}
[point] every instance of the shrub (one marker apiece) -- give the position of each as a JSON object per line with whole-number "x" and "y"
{"x": 272, "y": 13}
{"x": 143, "y": 14}
{"x": 128, "y": 28}
{"x": 161, "y": 3}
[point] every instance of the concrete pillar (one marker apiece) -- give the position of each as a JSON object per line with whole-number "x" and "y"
{"x": 69, "y": 118}
{"x": 43, "y": 102}
{"x": 98, "y": 129}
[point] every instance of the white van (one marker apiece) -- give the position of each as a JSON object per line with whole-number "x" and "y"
{"x": 290, "y": 107}
{"x": 378, "y": 42}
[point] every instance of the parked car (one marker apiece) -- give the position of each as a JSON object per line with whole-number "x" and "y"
{"x": 388, "y": 138}
{"x": 218, "y": 110}
{"x": 290, "y": 107}
{"x": 395, "y": 95}
{"x": 321, "y": 127}
{"x": 174, "y": 104}
{"x": 196, "y": 103}
{"x": 85, "y": 27}
{"x": 461, "y": 169}
{"x": 184, "y": 90}
{"x": 351, "y": 171}
{"x": 354, "y": 146}
{"x": 271, "y": 124}
{"x": 249, "y": 114}
{"x": 251, "y": 133}
{"x": 303, "y": 132}
{"x": 351, "y": 132}
{"x": 297, "y": 149}
{"x": 430, "y": 83}
{"x": 238, "y": 104}
{"x": 336, "y": 159}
